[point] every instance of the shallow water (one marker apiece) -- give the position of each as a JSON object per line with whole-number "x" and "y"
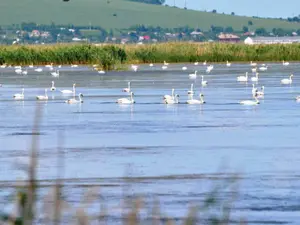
{"x": 178, "y": 150}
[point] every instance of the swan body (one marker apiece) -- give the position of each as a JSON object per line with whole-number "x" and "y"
{"x": 74, "y": 100}
{"x": 74, "y": 66}
{"x": 261, "y": 93}
{"x": 196, "y": 63}
{"x": 53, "y": 88}
{"x": 298, "y": 98}
{"x": 165, "y": 63}
{"x": 204, "y": 63}
{"x": 255, "y": 79}
{"x": 134, "y": 67}
{"x": 191, "y": 91}
{"x": 193, "y": 75}
{"x": 126, "y": 100}
{"x": 203, "y": 82}
{"x": 3, "y": 66}
{"x": 101, "y": 71}
{"x": 209, "y": 68}
{"x": 184, "y": 68}
{"x": 18, "y": 67}
{"x": 228, "y": 64}
{"x": 55, "y": 74}
{"x": 285, "y": 63}
{"x": 263, "y": 68}
{"x": 151, "y": 65}
{"x": 59, "y": 66}
{"x": 30, "y": 66}
{"x": 254, "y": 70}
{"x": 128, "y": 89}
{"x": 42, "y": 97}
{"x": 38, "y": 70}
{"x": 25, "y": 72}
{"x": 69, "y": 91}
{"x": 19, "y": 96}
{"x": 243, "y": 78}
{"x": 18, "y": 71}
{"x": 287, "y": 81}
{"x": 170, "y": 96}
{"x": 49, "y": 66}
{"x": 164, "y": 67}
{"x": 250, "y": 102}
{"x": 253, "y": 64}
{"x": 171, "y": 101}
{"x": 254, "y": 90}
{"x": 196, "y": 101}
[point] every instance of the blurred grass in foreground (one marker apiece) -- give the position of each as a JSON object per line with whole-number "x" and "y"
{"x": 215, "y": 209}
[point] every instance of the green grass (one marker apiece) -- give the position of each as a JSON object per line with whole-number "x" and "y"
{"x": 99, "y": 12}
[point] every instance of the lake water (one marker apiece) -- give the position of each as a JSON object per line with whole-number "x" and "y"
{"x": 176, "y": 152}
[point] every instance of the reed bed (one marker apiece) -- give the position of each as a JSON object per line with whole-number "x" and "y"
{"x": 113, "y": 56}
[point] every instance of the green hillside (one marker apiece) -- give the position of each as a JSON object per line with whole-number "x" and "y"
{"x": 101, "y": 12}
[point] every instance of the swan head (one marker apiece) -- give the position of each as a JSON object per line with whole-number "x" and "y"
{"x": 74, "y": 84}
{"x": 80, "y": 95}
{"x": 263, "y": 87}
{"x": 291, "y": 75}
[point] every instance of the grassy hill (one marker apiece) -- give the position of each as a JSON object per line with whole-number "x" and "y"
{"x": 100, "y": 12}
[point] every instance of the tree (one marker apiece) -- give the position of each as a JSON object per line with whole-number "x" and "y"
{"x": 245, "y": 29}
{"x": 232, "y": 13}
{"x": 250, "y": 23}
{"x": 261, "y": 31}
{"x": 229, "y": 29}
{"x": 214, "y": 11}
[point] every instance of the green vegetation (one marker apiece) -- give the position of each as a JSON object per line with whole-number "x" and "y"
{"x": 109, "y": 57}
{"x": 122, "y": 14}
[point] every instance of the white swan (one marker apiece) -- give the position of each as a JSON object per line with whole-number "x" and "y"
{"x": 193, "y": 75}
{"x": 170, "y": 101}
{"x": 263, "y": 68}
{"x": 254, "y": 70}
{"x": 184, "y": 68}
{"x": 19, "y": 96}
{"x": 101, "y": 71}
{"x": 203, "y": 82}
{"x": 3, "y": 66}
{"x": 38, "y": 70}
{"x": 30, "y": 66}
{"x": 74, "y": 66}
{"x": 74, "y": 100}
{"x": 250, "y": 102}
{"x": 126, "y": 100}
{"x": 128, "y": 89}
{"x": 69, "y": 91}
{"x": 49, "y": 66}
{"x": 255, "y": 79}
{"x": 204, "y": 63}
{"x": 285, "y": 63}
{"x": 59, "y": 66}
{"x": 253, "y": 64}
{"x": 191, "y": 91}
{"x": 243, "y": 78}
{"x": 151, "y": 65}
{"x": 228, "y": 64}
{"x": 18, "y": 67}
{"x": 196, "y": 63}
{"x": 170, "y": 96}
{"x": 18, "y": 71}
{"x": 134, "y": 67}
{"x": 209, "y": 68}
{"x": 55, "y": 74}
{"x": 261, "y": 93}
{"x": 254, "y": 90}
{"x": 53, "y": 88}
{"x": 164, "y": 67}
{"x": 298, "y": 98}
{"x": 195, "y": 101}
{"x": 287, "y": 81}
{"x": 165, "y": 63}
{"x": 42, "y": 97}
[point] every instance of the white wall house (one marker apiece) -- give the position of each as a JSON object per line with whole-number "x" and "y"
{"x": 271, "y": 40}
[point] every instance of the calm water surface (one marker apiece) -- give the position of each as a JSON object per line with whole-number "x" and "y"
{"x": 179, "y": 150}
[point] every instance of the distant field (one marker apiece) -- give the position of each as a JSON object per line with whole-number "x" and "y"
{"x": 100, "y": 12}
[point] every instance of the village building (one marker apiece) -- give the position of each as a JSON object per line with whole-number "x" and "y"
{"x": 272, "y": 40}
{"x": 229, "y": 38}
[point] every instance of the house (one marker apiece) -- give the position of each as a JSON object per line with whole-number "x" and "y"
{"x": 196, "y": 33}
{"x": 272, "y": 40}
{"x": 35, "y": 33}
{"x": 229, "y": 38}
